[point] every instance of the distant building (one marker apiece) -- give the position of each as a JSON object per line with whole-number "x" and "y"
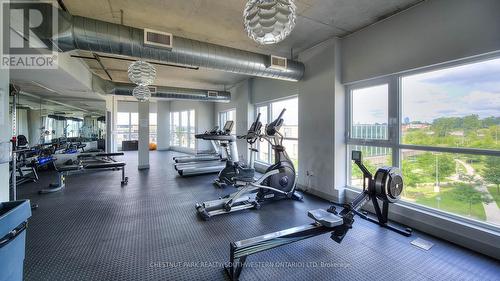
{"x": 369, "y": 131}
{"x": 406, "y": 127}
{"x": 374, "y": 132}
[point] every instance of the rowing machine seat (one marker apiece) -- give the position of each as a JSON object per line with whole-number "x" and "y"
{"x": 325, "y": 218}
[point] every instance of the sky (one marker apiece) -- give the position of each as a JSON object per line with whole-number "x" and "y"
{"x": 452, "y": 92}
{"x": 370, "y": 105}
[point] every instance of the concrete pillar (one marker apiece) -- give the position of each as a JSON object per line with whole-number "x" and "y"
{"x": 111, "y": 115}
{"x": 163, "y": 123}
{"x": 143, "y": 162}
{"x": 318, "y": 170}
{"x": 5, "y": 132}
{"x": 340, "y": 149}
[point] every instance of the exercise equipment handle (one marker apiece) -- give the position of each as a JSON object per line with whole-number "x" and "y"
{"x": 258, "y": 118}
{"x": 281, "y": 114}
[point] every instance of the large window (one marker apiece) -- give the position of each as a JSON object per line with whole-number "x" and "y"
{"x": 122, "y": 127}
{"x": 370, "y": 113}
{"x": 153, "y": 125}
{"x": 290, "y": 129}
{"x": 442, "y": 128}
{"x": 73, "y": 128}
{"x": 127, "y": 127}
{"x": 228, "y": 115}
{"x": 183, "y": 129}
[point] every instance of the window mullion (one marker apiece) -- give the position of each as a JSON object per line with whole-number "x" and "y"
{"x": 395, "y": 117}
{"x": 129, "y": 126}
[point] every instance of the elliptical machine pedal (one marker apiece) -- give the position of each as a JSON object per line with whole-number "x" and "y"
{"x": 296, "y": 196}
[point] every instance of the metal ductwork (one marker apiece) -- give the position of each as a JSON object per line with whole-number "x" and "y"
{"x": 77, "y": 32}
{"x": 174, "y": 93}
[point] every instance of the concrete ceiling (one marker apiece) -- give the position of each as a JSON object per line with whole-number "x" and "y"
{"x": 117, "y": 66}
{"x": 221, "y": 22}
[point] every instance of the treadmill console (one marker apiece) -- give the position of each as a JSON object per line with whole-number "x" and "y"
{"x": 256, "y": 125}
{"x": 275, "y": 126}
{"x": 228, "y": 127}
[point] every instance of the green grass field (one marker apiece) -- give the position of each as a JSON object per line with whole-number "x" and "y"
{"x": 494, "y": 192}
{"x": 425, "y": 195}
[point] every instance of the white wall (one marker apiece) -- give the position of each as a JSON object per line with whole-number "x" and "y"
{"x": 204, "y": 117}
{"x": 264, "y": 90}
{"x": 433, "y": 32}
{"x": 132, "y": 106}
{"x": 127, "y": 106}
{"x": 317, "y": 122}
{"x": 163, "y": 125}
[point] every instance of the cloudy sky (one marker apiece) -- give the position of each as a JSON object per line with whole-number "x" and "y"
{"x": 457, "y": 91}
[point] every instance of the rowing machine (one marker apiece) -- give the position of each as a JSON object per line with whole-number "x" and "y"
{"x": 386, "y": 186}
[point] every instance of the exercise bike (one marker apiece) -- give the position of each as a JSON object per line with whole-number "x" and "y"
{"x": 278, "y": 182}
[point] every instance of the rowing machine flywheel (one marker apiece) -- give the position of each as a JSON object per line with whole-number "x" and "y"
{"x": 388, "y": 184}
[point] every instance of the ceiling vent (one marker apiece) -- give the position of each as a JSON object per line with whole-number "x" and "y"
{"x": 212, "y": 94}
{"x": 152, "y": 89}
{"x": 157, "y": 38}
{"x": 277, "y": 63}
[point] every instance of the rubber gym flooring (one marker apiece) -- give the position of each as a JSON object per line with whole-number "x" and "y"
{"x": 149, "y": 230}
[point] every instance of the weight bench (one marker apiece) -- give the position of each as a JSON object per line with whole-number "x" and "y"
{"x": 61, "y": 179}
{"x": 100, "y": 154}
{"x": 81, "y": 146}
{"x": 63, "y": 171}
{"x": 99, "y": 157}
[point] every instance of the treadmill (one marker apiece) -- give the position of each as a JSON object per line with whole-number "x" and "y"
{"x": 216, "y": 155}
{"x": 208, "y": 156}
{"x": 226, "y": 141}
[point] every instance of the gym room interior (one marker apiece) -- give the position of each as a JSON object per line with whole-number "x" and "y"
{"x": 250, "y": 140}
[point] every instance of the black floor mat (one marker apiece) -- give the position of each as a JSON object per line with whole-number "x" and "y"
{"x": 148, "y": 230}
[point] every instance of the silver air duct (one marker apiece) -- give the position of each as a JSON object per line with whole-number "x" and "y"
{"x": 77, "y": 32}
{"x": 174, "y": 93}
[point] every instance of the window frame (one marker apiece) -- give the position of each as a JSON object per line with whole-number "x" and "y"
{"x": 189, "y": 130}
{"x": 394, "y": 141}
{"x": 129, "y": 132}
{"x": 153, "y": 136}
{"x": 268, "y": 105}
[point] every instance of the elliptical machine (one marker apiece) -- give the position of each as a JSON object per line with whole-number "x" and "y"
{"x": 234, "y": 168}
{"x": 277, "y": 183}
